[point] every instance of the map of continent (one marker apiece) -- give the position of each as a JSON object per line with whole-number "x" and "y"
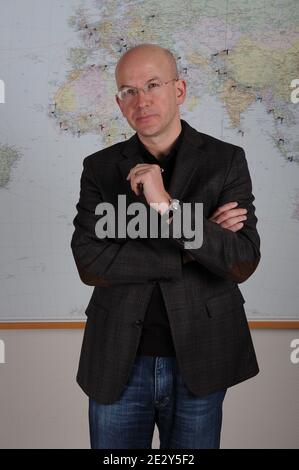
{"x": 239, "y": 55}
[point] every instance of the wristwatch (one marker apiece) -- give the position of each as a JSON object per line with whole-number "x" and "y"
{"x": 174, "y": 205}
{"x": 172, "y": 208}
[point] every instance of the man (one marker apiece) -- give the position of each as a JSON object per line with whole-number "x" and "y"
{"x": 166, "y": 331}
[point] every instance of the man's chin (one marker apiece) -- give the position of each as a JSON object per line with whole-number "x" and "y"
{"x": 148, "y": 129}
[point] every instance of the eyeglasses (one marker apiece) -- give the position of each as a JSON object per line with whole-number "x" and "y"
{"x": 128, "y": 94}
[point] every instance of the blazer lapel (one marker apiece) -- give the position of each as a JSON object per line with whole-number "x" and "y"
{"x": 132, "y": 157}
{"x": 188, "y": 159}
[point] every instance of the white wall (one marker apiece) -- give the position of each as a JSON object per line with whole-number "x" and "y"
{"x": 41, "y": 406}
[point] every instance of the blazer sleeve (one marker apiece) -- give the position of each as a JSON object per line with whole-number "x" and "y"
{"x": 103, "y": 262}
{"x": 230, "y": 255}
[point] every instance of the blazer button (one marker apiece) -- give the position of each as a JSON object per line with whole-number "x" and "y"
{"x": 138, "y": 323}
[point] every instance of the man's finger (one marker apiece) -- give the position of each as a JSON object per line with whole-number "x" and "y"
{"x": 227, "y": 215}
{"x": 141, "y": 166}
{"x": 236, "y": 227}
{"x": 225, "y": 207}
{"x": 232, "y": 221}
{"x": 136, "y": 184}
{"x": 233, "y": 213}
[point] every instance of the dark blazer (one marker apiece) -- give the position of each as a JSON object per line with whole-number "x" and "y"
{"x": 205, "y": 306}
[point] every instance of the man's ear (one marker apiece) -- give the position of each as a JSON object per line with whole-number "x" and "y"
{"x": 181, "y": 91}
{"x": 119, "y": 103}
{"x": 117, "y": 100}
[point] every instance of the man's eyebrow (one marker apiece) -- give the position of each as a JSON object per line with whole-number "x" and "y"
{"x": 131, "y": 86}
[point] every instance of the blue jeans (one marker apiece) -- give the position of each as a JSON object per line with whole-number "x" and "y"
{"x": 157, "y": 394}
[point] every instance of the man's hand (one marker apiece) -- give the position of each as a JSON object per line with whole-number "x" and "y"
{"x": 147, "y": 178}
{"x": 228, "y": 217}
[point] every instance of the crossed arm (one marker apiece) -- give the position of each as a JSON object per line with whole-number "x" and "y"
{"x": 230, "y": 249}
{"x": 106, "y": 262}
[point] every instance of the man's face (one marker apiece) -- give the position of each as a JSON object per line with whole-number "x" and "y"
{"x": 150, "y": 114}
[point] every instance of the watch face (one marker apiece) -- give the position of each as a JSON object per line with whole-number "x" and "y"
{"x": 175, "y": 204}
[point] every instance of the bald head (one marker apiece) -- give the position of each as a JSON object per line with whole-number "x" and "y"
{"x": 137, "y": 54}
{"x": 154, "y": 114}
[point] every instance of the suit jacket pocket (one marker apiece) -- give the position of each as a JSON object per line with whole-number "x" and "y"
{"x": 224, "y": 303}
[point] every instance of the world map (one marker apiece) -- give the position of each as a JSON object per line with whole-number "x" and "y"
{"x": 58, "y": 60}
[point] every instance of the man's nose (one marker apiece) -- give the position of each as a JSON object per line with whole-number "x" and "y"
{"x": 142, "y": 98}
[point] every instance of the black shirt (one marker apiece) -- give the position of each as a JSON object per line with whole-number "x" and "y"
{"x": 156, "y": 337}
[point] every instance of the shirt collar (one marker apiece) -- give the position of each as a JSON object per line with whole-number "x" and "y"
{"x": 174, "y": 149}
